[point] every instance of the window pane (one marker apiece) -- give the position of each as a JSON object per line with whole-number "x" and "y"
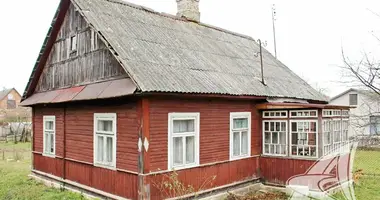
{"x": 236, "y": 143}
{"x": 241, "y": 123}
{"x": 266, "y": 148}
{"x": 312, "y": 139}
{"x": 177, "y": 151}
{"x": 109, "y": 151}
{"x": 183, "y": 126}
{"x": 100, "y": 149}
{"x": 294, "y": 126}
{"x": 105, "y": 125}
{"x": 47, "y": 142}
{"x": 266, "y": 125}
{"x": 190, "y": 149}
{"x": 294, "y": 150}
{"x": 244, "y": 142}
{"x": 275, "y": 137}
{"x": 267, "y": 137}
{"x": 278, "y": 126}
{"x": 294, "y": 138}
{"x": 283, "y": 126}
{"x": 49, "y": 125}
{"x": 282, "y": 138}
{"x": 272, "y": 126}
{"x": 51, "y": 143}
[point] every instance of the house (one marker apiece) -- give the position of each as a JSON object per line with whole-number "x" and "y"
{"x": 9, "y": 99}
{"x": 365, "y": 114}
{"x": 123, "y": 96}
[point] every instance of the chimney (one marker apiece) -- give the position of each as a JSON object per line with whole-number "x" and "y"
{"x": 189, "y": 9}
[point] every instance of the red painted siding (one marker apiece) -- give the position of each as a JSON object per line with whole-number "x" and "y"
{"x": 38, "y": 128}
{"x": 79, "y": 132}
{"x": 114, "y": 182}
{"x": 201, "y": 177}
{"x": 214, "y": 128}
{"x": 279, "y": 170}
{"x": 48, "y": 165}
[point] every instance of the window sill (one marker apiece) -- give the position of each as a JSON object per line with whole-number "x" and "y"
{"x": 274, "y": 155}
{"x": 183, "y": 167}
{"x": 48, "y": 155}
{"x": 105, "y": 166}
{"x": 289, "y": 157}
{"x": 239, "y": 157}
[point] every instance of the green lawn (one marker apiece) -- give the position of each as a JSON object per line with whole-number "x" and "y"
{"x": 14, "y": 181}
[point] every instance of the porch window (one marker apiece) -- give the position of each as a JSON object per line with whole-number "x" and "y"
{"x": 337, "y": 132}
{"x": 183, "y": 149}
{"x": 49, "y": 135}
{"x": 327, "y": 137}
{"x": 304, "y": 138}
{"x": 240, "y": 135}
{"x": 105, "y": 139}
{"x": 303, "y": 113}
{"x": 275, "y": 137}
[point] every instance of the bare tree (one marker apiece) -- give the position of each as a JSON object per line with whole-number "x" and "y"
{"x": 17, "y": 123}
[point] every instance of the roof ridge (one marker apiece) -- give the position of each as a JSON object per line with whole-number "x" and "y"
{"x": 163, "y": 14}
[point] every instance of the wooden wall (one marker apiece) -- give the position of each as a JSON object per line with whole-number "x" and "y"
{"x": 201, "y": 178}
{"x": 279, "y": 170}
{"x": 92, "y": 62}
{"x": 214, "y": 128}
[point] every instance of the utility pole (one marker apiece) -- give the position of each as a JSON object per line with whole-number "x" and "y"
{"x": 274, "y": 28}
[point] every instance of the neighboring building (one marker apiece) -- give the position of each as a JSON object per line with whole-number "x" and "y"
{"x": 9, "y": 99}
{"x": 123, "y": 95}
{"x": 365, "y": 112}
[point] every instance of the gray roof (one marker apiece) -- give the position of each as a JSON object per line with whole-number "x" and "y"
{"x": 367, "y": 92}
{"x": 163, "y": 53}
{"x": 4, "y": 93}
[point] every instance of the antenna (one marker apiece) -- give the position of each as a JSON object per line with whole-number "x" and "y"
{"x": 261, "y": 60}
{"x": 274, "y": 28}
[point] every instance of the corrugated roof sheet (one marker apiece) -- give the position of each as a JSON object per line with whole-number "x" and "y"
{"x": 103, "y": 90}
{"x": 165, "y": 54}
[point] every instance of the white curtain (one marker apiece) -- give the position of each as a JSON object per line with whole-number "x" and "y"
{"x": 190, "y": 149}
{"x": 182, "y": 126}
{"x": 244, "y": 142}
{"x": 178, "y": 151}
{"x": 105, "y": 125}
{"x": 236, "y": 143}
{"x": 100, "y": 148}
{"x": 109, "y": 152}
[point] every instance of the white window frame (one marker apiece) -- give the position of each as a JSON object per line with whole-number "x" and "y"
{"x": 73, "y": 43}
{"x": 286, "y": 137}
{"x": 235, "y": 115}
{"x": 105, "y": 116}
{"x": 183, "y": 116}
{"x": 94, "y": 40}
{"x": 45, "y": 151}
{"x": 307, "y": 138}
{"x": 333, "y": 113}
{"x": 291, "y": 111}
{"x": 274, "y": 113}
{"x": 327, "y": 148}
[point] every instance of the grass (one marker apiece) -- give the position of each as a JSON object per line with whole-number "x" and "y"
{"x": 14, "y": 181}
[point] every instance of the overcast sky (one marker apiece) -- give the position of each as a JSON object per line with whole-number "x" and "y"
{"x": 310, "y": 34}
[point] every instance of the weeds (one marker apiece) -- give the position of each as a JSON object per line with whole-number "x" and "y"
{"x": 258, "y": 195}
{"x": 171, "y": 186}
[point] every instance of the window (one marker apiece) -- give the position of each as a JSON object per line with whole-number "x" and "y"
{"x": 275, "y": 137}
{"x": 303, "y": 113}
{"x": 304, "y": 138}
{"x": 240, "y": 135}
{"x": 11, "y": 97}
{"x": 94, "y": 40}
{"x": 73, "y": 43}
{"x": 49, "y": 135}
{"x": 337, "y": 133}
{"x": 105, "y": 140}
{"x": 11, "y": 104}
{"x": 374, "y": 125}
{"x": 327, "y": 136}
{"x": 183, "y": 149}
{"x": 275, "y": 114}
{"x": 333, "y": 113}
{"x": 353, "y": 98}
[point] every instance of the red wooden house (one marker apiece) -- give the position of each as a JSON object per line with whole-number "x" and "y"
{"x": 123, "y": 95}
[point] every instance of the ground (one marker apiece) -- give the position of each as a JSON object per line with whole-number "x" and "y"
{"x": 14, "y": 181}
{"x": 15, "y": 184}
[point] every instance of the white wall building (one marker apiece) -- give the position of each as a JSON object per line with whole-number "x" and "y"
{"x": 365, "y": 111}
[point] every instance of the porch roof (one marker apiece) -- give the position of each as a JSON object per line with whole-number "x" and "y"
{"x": 280, "y": 105}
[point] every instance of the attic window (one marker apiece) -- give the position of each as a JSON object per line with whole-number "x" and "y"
{"x": 353, "y": 98}
{"x": 73, "y": 43}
